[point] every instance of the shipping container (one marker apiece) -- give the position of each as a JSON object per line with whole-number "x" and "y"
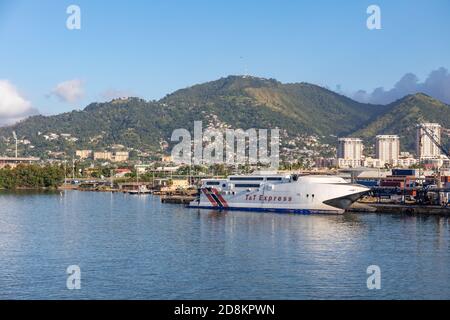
{"x": 404, "y": 172}
{"x": 399, "y": 184}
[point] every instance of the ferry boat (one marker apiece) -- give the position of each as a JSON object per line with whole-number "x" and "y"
{"x": 279, "y": 193}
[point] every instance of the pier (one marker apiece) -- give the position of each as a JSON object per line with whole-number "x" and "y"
{"x": 390, "y": 208}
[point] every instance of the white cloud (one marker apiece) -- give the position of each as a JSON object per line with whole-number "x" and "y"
{"x": 69, "y": 91}
{"x": 13, "y": 106}
{"x": 437, "y": 85}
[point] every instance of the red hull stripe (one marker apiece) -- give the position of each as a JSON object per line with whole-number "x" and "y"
{"x": 221, "y": 199}
{"x": 213, "y": 202}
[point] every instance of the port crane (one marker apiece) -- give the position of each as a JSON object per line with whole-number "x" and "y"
{"x": 435, "y": 139}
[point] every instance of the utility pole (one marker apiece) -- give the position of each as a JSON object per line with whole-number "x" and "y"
{"x": 15, "y": 138}
{"x": 65, "y": 171}
{"x": 137, "y": 174}
{"x": 73, "y": 169}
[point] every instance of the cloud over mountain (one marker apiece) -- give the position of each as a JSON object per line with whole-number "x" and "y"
{"x": 13, "y": 106}
{"x": 437, "y": 85}
{"x": 69, "y": 91}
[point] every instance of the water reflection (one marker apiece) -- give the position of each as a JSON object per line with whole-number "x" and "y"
{"x": 136, "y": 247}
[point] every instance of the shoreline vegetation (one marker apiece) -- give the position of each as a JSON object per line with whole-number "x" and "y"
{"x": 55, "y": 176}
{"x": 31, "y": 177}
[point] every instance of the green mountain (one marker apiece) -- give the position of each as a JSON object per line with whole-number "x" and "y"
{"x": 402, "y": 117}
{"x": 249, "y": 102}
{"x": 298, "y": 109}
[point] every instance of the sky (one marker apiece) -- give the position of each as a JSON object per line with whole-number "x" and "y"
{"x": 151, "y": 48}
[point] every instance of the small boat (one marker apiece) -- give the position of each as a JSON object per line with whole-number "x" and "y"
{"x": 140, "y": 190}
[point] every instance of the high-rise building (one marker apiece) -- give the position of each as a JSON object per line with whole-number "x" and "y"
{"x": 350, "y": 148}
{"x": 425, "y": 147}
{"x": 350, "y": 152}
{"x": 387, "y": 148}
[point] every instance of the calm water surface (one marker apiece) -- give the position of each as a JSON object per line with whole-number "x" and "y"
{"x": 134, "y": 247}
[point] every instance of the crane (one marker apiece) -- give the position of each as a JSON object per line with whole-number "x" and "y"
{"x": 434, "y": 139}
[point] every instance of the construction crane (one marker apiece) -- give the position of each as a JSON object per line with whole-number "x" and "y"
{"x": 434, "y": 139}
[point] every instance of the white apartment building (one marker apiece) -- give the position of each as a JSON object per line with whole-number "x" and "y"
{"x": 425, "y": 147}
{"x": 387, "y": 148}
{"x": 350, "y": 148}
{"x": 350, "y": 152}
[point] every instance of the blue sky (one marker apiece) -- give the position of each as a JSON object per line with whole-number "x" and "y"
{"x": 150, "y": 48}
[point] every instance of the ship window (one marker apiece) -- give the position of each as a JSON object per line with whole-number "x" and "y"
{"x": 247, "y": 185}
{"x": 224, "y": 185}
{"x": 213, "y": 183}
{"x": 246, "y": 178}
{"x": 274, "y": 178}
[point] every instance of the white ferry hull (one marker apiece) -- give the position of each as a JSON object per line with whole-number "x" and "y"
{"x": 305, "y": 196}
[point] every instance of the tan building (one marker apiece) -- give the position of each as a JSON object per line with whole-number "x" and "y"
{"x": 166, "y": 159}
{"x": 103, "y": 155}
{"x": 373, "y": 163}
{"x": 120, "y": 156}
{"x": 405, "y": 162}
{"x": 14, "y": 162}
{"x": 387, "y": 148}
{"x": 83, "y": 154}
{"x": 176, "y": 184}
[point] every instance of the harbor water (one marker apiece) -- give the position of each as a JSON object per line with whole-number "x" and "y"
{"x": 135, "y": 247}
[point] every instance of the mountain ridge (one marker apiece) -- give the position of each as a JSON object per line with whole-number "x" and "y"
{"x": 299, "y": 109}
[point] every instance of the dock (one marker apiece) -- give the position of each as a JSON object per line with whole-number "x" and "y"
{"x": 390, "y": 208}
{"x": 177, "y": 199}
